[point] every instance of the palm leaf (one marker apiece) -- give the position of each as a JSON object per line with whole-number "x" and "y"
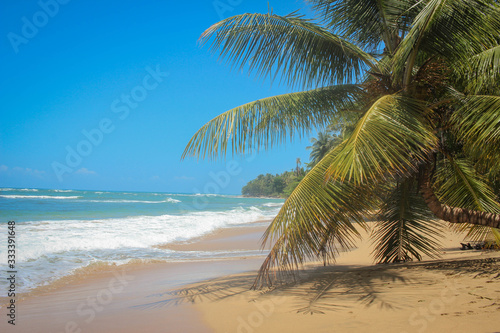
{"x": 483, "y": 71}
{"x": 407, "y": 52}
{"x": 316, "y": 218}
{"x": 391, "y": 138}
{"x": 477, "y": 123}
{"x": 271, "y": 120}
{"x": 459, "y": 185}
{"x": 452, "y": 29}
{"x": 406, "y": 228}
{"x": 368, "y": 22}
{"x": 306, "y": 54}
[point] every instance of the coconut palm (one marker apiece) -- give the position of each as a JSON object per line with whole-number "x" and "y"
{"x": 419, "y": 81}
{"x": 297, "y": 168}
{"x": 322, "y": 145}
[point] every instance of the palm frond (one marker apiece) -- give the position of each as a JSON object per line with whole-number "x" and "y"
{"x": 452, "y": 29}
{"x": 272, "y": 120}
{"x": 316, "y": 218}
{"x": 391, "y": 138}
{"x": 368, "y": 23}
{"x": 483, "y": 72}
{"x": 406, "y": 228}
{"x": 477, "y": 123}
{"x": 458, "y": 184}
{"x": 305, "y": 54}
{"x": 407, "y": 52}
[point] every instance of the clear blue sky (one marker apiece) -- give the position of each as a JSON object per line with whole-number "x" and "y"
{"x": 67, "y": 69}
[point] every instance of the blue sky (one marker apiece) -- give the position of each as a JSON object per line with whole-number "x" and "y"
{"x": 67, "y": 68}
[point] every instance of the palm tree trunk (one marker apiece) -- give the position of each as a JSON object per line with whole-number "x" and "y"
{"x": 455, "y": 214}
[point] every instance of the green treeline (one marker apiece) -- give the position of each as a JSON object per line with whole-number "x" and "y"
{"x": 279, "y": 185}
{"x": 282, "y": 185}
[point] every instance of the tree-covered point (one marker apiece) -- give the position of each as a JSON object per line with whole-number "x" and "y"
{"x": 279, "y": 185}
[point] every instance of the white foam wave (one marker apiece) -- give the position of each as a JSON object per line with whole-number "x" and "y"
{"x": 171, "y": 200}
{"x": 14, "y": 196}
{"x": 19, "y": 189}
{"x": 207, "y": 195}
{"x": 63, "y": 191}
{"x": 273, "y": 204}
{"x": 53, "y": 236}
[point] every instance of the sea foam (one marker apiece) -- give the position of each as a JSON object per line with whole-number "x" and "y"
{"x": 15, "y": 196}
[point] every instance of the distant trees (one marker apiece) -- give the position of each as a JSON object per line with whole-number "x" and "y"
{"x": 325, "y": 142}
{"x": 297, "y": 168}
{"x": 282, "y": 185}
{"x": 279, "y": 185}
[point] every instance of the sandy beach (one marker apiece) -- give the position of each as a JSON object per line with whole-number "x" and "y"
{"x": 458, "y": 293}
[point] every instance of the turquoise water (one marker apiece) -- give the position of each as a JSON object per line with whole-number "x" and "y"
{"x": 58, "y": 231}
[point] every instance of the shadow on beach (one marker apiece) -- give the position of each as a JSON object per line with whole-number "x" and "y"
{"x": 333, "y": 288}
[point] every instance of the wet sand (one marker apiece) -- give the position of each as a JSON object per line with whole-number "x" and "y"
{"x": 131, "y": 298}
{"x": 228, "y": 239}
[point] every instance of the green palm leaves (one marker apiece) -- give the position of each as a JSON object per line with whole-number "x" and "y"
{"x": 303, "y": 52}
{"x": 272, "y": 120}
{"x": 391, "y": 138}
{"x": 418, "y": 83}
{"x": 479, "y": 121}
{"x": 322, "y": 145}
{"x": 483, "y": 72}
{"x": 316, "y": 218}
{"x": 369, "y": 22}
{"x": 406, "y": 229}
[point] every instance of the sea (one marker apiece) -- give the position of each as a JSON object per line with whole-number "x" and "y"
{"x": 58, "y": 232}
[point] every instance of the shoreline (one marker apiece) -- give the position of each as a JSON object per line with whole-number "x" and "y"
{"x": 214, "y": 296}
{"x": 242, "y": 237}
{"x": 95, "y": 298}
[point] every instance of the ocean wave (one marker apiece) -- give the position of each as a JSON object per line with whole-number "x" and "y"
{"x": 170, "y": 200}
{"x": 63, "y": 191}
{"x": 56, "y": 236}
{"x": 273, "y": 204}
{"x": 19, "y": 189}
{"x": 208, "y": 195}
{"x": 15, "y": 196}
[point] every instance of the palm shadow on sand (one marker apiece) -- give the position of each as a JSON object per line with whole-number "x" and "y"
{"x": 330, "y": 288}
{"x": 314, "y": 291}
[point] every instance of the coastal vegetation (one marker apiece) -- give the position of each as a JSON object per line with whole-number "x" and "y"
{"x": 282, "y": 185}
{"x": 412, "y": 86}
{"x": 278, "y": 186}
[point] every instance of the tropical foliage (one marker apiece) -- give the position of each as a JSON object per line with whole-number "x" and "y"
{"x": 322, "y": 145}
{"x": 416, "y": 82}
{"x": 279, "y": 185}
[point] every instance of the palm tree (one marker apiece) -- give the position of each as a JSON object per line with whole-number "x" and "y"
{"x": 297, "y": 169}
{"x": 322, "y": 145}
{"x": 419, "y": 79}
